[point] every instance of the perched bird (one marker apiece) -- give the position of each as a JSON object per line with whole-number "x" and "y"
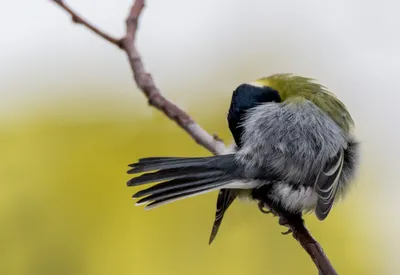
{"x": 293, "y": 142}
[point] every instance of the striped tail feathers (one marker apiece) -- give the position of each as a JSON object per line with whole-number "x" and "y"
{"x": 180, "y": 177}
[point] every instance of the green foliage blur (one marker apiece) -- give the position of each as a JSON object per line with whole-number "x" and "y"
{"x": 65, "y": 208}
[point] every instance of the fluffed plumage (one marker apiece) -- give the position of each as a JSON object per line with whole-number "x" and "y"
{"x": 293, "y": 138}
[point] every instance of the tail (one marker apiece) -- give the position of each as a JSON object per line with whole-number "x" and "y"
{"x": 225, "y": 199}
{"x": 181, "y": 177}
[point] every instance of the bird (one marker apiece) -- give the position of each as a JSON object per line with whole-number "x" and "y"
{"x": 293, "y": 143}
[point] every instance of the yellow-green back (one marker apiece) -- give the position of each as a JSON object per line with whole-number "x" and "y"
{"x": 293, "y": 88}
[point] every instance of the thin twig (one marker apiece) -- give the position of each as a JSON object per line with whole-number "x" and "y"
{"x": 144, "y": 80}
{"x": 79, "y": 20}
{"x": 212, "y": 143}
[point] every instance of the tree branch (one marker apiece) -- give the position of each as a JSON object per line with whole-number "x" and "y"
{"x": 144, "y": 80}
{"x": 296, "y": 226}
{"x": 79, "y": 20}
{"x": 146, "y": 84}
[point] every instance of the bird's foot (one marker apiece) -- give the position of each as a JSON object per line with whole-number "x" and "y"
{"x": 267, "y": 209}
{"x": 285, "y": 218}
{"x": 284, "y": 222}
{"x": 287, "y": 232}
{"x": 264, "y": 208}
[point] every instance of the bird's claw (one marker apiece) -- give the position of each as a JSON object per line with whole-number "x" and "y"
{"x": 263, "y": 208}
{"x": 287, "y": 232}
{"x": 283, "y": 221}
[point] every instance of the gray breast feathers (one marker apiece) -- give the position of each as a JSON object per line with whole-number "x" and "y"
{"x": 297, "y": 144}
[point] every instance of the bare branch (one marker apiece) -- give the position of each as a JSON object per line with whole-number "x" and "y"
{"x": 313, "y": 248}
{"x": 296, "y": 226}
{"x": 79, "y": 20}
{"x": 144, "y": 80}
{"x": 212, "y": 143}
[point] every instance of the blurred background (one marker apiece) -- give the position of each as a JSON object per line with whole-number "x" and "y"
{"x": 71, "y": 119}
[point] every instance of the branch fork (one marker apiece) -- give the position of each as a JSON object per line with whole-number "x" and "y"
{"x": 212, "y": 143}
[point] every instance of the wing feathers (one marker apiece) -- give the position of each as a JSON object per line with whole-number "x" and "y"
{"x": 326, "y": 186}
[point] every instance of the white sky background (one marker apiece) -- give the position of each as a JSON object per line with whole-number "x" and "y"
{"x": 349, "y": 46}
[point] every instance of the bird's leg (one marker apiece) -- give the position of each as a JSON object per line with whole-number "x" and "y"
{"x": 284, "y": 222}
{"x": 289, "y": 219}
{"x": 267, "y": 206}
{"x": 283, "y": 215}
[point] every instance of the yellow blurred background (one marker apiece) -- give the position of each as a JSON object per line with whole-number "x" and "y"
{"x": 72, "y": 120}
